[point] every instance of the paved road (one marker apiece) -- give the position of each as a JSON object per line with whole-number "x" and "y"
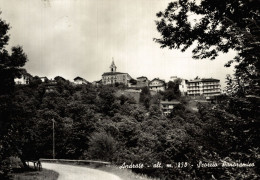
{"x": 68, "y": 172}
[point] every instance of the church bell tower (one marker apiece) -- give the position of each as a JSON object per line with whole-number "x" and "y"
{"x": 113, "y": 66}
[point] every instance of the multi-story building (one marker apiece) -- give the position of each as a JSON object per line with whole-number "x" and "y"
{"x": 207, "y": 87}
{"x": 168, "y": 106}
{"x": 157, "y": 85}
{"x": 113, "y": 77}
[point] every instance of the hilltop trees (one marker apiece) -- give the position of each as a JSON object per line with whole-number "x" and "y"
{"x": 219, "y": 26}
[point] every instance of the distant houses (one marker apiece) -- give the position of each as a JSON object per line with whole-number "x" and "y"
{"x": 198, "y": 88}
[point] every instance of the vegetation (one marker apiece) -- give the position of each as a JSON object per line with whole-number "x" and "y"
{"x": 10, "y": 67}
{"x": 93, "y": 123}
{"x": 36, "y": 175}
{"x": 172, "y": 91}
{"x": 215, "y": 27}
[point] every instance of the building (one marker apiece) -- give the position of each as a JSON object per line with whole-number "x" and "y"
{"x": 157, "y": 85}
{"x": 24, "y": 79}
{"x": 113, "y": 76}
{"x": 183, "y": 87}
{"x": 173, "y": 78}
{"x": 207, "y": 87}
{"x": 80, "y": 80}
{"x": 44, "y": 79}
{"x": 139, "y": 83}
{"x": 168, "y": 106}
{"x": 51, "y": 86}
{"x": 97, "y": 83}
{"x": 142, "y": 81}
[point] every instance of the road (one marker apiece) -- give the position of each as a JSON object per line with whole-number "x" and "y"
{"x": 69, "y": 172}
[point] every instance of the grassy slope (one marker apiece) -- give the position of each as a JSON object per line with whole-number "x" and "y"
{"x": 135, "y": 95}
{"x": 131, "y": 93}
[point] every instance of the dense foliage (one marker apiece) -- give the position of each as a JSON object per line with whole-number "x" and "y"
{"x": 10, "y": 67}
{"x": 94, "y": 123}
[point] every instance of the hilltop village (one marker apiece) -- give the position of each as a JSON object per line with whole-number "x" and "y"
{"x": 198, "y": 88}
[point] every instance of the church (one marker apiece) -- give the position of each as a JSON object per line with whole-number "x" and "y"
{"x": 113, "y": 77}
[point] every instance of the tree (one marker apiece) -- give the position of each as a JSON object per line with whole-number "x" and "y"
{"x": 10, "y": 67}
{"x": 102, "y": 146}
{"x": 145, "y": 96}
{"x": 173, "y": 91}
{"x": 219, "y": 26}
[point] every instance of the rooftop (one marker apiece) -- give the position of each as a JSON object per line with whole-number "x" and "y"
{"x": 112, "y": 73}
{"x": 205, "y": 80}
{"x": 170, "y": 102}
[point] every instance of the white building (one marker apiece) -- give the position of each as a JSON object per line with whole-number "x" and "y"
{"x": 207, "y": 87}
{"x": 183, "y": 87}
{"x": 24, "y": 79}
{"x": 80, "y": 80}
{"x": 44, "y": 79}
{"x": 157, "y": 85}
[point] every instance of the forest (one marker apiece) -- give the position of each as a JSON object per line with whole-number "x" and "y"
{"x": 92, "y": 123}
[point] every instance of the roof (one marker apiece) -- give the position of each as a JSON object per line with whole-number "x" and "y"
{"x": 170, "y": 102}
{"x": 157, "y": 80}
{"x": 209, "y": 79}
{"x": 112, "y": 73}
{"x": 142, "y": 77}
{"x": 205, "y": 80}
{"x": 43, "y": 77}
{"x": 113, "y": 64}
{"x": 79, "y": 78}
{"x": 98, "y": 81}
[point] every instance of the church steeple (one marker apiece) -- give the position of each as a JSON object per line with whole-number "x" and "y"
{"x": 113, "y": 66}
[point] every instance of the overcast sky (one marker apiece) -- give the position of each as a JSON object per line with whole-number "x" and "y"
{"x": 73, "y": 38}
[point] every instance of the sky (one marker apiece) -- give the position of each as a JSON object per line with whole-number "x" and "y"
{"x": 71, "y": 38}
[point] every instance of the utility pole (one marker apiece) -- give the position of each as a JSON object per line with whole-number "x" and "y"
{"x": 53, "y": 139}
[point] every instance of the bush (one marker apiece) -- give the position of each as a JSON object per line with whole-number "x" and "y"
{"x": 102, "y": 146}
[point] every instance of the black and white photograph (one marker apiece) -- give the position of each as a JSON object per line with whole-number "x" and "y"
{"x": 129, "y": 89}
